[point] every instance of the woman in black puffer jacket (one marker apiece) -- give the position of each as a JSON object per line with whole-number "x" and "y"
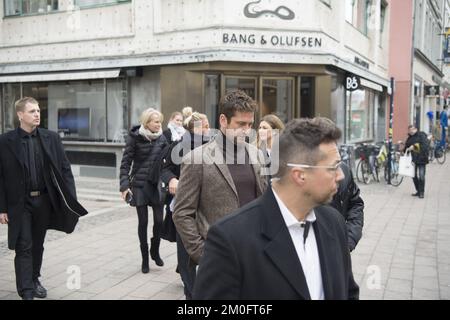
{"x": 144, "y": 150}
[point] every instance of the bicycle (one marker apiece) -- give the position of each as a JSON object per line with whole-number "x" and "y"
{"x": 368, "y": 166}
{"x": 437, "y": 151}
{"x": 396, "y": 179}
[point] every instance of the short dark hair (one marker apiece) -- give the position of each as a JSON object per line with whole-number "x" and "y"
{"x": 300, "y": 141}
{"x": 21, "y": 104}
{"x": 236, "y": 101}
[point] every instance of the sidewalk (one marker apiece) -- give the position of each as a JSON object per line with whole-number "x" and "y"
{"x": 404, "y": 253}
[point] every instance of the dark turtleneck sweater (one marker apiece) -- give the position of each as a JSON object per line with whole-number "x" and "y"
{"x": 241, "y": 170}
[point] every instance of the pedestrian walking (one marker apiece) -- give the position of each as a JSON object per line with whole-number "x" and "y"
{"x": 349, "y": 203}
{"x": 139, "y": 176}
{"x": 197, "y": 134}
{"x": 37, "y": 193}
{"x": 417, "y": 143}
{"x": 220, "y": 176}
{"x": 286, "y": 244}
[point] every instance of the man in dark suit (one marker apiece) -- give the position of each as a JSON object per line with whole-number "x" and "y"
{"x": 37, "y": 193}
{"x": 286, "y": 244}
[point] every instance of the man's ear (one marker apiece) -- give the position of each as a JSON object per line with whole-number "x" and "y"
{"x": 223, "y": 121}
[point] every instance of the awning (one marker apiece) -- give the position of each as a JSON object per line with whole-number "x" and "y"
{"x": 61, "y": 76}
{"x": 372, "y": 85}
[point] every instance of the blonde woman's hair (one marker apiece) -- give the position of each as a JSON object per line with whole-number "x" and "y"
{"x": 191, "y": 120}
{"x": 147, "y": 115}
{"x": 187, "y": 112}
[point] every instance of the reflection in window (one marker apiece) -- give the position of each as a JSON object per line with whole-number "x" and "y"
{"x": 90, "y": 3}
{"x": 77, "y": 110}
{"x": 117, "y": 97}
{"x": 277, "y": 98}
{"x": 248, "y": 85}
{"x": 360, "y": 107}
{"x": 24, "y": 7}
{"x": 212, "y": 95}
{"x": 11, "y": 93}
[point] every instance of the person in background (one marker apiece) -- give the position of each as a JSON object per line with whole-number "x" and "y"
{"x": 175, "y": 130}
{"x": 197, "y": 134}
{"x": 269, "y": 129}
{"x": 444, "y": 126}
{"x": 417, "y": 144}
{"x": 350, "y": 204}
{"x": 139, "y": 175}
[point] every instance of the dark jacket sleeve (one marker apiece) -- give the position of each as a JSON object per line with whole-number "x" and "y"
{"x": 218, "y": 276}
{"x": 355, "y": 214}
{"x": 170, "y": 169}
{"x": 127, "y": 160}
{"x": 66, "y": 170}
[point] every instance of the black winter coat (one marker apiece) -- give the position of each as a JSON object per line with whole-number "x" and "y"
{"x": 59, "y": 182}
{"x": 145, "y": 156}
{"x": 421, "y": 138}
{"x": 349, "y": 203}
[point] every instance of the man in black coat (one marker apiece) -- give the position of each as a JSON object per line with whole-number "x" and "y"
{"x": 37, "y": 193}
{"x": 350, "y": 204}
{"x": 417, "y": 144}
{"x": 285, "y": 244}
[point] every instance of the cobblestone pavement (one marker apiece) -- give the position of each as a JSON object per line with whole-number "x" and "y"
{"x": 404, "y": 253}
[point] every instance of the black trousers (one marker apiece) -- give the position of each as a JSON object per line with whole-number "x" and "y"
{"x": 30, "y": 244}
{"x": 142, "y": 212}
{"x": 187, "y": 269}
{"x": 419, "y": 178}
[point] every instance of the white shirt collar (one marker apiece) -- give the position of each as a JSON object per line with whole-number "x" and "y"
{"x": 288, "y": 216}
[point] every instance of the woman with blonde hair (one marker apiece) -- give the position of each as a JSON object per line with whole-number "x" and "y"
{"x": 143, "y": 154}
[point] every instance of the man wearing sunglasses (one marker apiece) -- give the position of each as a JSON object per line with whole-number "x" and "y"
{"x": 286, "y": 244}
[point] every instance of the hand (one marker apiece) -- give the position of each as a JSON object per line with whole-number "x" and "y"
{"x": 124, "y": 194}
{"x": 4, "y": 218}
{"x": 173, "y": 185}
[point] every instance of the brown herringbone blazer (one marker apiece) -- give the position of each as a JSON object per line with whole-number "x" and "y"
{"x": 206, "y": 193}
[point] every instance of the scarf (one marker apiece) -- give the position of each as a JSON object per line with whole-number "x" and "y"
{"x": 147, "y": 134}
{"x": 177, "y": 131}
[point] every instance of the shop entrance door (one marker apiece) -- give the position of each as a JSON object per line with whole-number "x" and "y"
{"x": 277, "y": 97}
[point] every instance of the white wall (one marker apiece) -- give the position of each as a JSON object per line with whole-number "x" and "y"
{"x": 186, "y": 31}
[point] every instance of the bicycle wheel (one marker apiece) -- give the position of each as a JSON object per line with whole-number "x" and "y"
{"x": 358, "y": 172}
{"x": 365, "y": 172}
{"x": 396, "y": 179}
{"x": 442, "y": 155}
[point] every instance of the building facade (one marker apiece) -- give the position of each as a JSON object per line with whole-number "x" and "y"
{"x": 421, "y": 87}
{"x": 95, "y": 65}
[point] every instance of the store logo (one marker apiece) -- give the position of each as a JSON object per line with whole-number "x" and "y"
{"x": 282, "y": 12}
{"x": 352, "y": 83}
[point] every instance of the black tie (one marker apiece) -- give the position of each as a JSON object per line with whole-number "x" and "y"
{"x": 32, "y": 163}
{"x": 306, "y": 225}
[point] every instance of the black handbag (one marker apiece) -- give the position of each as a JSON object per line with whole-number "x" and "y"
{"x": 169, "y": 232}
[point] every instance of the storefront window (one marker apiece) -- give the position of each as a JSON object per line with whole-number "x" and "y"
{"x": 91, "y": 3}
{"x": 11, "y": 93}
{"x": 24, "y": 7}
{"x": 117, "y": 107}
{"x": 277, "y": 98}
{"x": 248, "y": 85}
{"x": 77, "y": 110}
{"x": 212, "y": 96}
{"x": 360, "y": 106}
